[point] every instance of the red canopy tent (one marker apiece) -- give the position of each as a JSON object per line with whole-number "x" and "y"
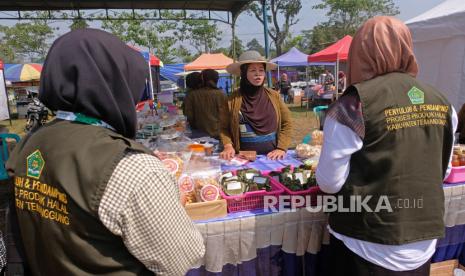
{"x": 338, "y": 51}
{"x": 209, "y": 61}
{"x": 154, "y": 61}
{"x": 334, "y": 53}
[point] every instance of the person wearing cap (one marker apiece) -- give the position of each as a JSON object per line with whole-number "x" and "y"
{"x": 202, "y": 106}
{"x": 254, "y": 118}
{"x": 387, "y": 148}
{"x": 89, "y": 199}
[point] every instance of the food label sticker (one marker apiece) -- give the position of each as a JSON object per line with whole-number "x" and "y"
{"x": 186, "y": 184}
{"x": 249, "y": 176}
{"x": 209, "y": 193}
{"x": 235, "y": 185}
{"x": 171, "y": 165}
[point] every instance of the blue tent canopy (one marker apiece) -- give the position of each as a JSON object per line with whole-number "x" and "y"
{"x": 170, "y": 71}
{"x": 293, "y": 57}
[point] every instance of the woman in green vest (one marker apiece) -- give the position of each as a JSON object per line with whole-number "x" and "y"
{"x": 387, "y": 144}
{"x": 90, "y": 200}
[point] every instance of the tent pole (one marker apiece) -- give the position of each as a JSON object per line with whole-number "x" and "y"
{"x": 337, "y": 76}
{"x": 306, "y": 84}
{"x": 151, "y": 80}
{"x": 278, "y": 76}
{"x": 265, "y": 30}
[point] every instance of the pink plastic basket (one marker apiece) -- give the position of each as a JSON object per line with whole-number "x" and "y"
{"x": 312, "y": 192}
{"x": 252, "y": 200}
{"x": 457, "y": 175}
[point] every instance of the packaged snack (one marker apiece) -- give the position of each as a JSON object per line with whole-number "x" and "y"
{"x": 204, "y": 174}
{"x": 297, "y": 179}
{"x": 317, "y": 137}
{"x": 307, "y": 151}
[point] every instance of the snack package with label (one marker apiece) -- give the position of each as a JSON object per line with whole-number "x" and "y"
{"x": 174, "y": 161}
{"x": 317, "y": 138}
{"x": 199, "y": 182}
{"x": 246, "y": 180}
{"x": 299, "y": 178}
{"x": 307, "y": 151}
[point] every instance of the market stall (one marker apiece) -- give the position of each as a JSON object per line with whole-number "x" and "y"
{"x": 226, "y": 200}
{"x": 292, "y": 58}
{"x": 335, "y": 54}
{"x": 294, "y": 243}
{"x": 209, "y": 61}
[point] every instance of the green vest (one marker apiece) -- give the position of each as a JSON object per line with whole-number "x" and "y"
{"x": 405, "y": 154}
{"x": 60, "y": 174}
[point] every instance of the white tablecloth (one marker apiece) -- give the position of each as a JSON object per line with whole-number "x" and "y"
{"x": 236, "y": 240}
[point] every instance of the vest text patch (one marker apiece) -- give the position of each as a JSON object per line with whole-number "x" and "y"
{"x": 416, "y": 115}
{"x": 40, "y": 198}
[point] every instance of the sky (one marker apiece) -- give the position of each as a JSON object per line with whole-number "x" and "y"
{"x": 249, "y": 27}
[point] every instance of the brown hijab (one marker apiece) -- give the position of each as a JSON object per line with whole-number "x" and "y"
{"x": 382, "y": 45}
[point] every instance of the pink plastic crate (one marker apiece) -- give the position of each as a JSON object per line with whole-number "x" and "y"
{"x": 252, "y": 200}
{"x": 457, "y": 175}
{"x": 313, "y": 191}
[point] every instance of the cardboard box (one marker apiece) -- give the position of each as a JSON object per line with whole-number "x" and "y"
{"x": 297, "y": 99}
{"x": 445, "y": 268}
{"x": 207, "y": 210}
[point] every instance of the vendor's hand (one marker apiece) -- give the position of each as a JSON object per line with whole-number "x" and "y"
{"x": 228, "y": 152}
{"x": 276, "y": 154}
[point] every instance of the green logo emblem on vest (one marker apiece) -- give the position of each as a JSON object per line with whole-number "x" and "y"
{"x": 416, "y": 96}
{"x": 35, "y": 164}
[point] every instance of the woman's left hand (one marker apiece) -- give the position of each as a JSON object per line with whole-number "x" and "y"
{"x": 276, "y": 154}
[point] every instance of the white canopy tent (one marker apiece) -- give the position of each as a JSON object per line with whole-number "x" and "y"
{"x": 439, "y": 45}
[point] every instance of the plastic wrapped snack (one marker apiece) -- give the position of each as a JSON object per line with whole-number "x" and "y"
{"x": 199, "y": 182}
{"x": 317, "y": 138}
{"x": 307, "y": 151}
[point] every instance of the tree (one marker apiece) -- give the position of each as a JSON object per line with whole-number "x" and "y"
{"x": 344, "y": 18}
{"x": 202, "y": 34}
{"x": 297, "y": 41}
{"x": 287, "y": 9}
{"x": 348, "y": 15}
{"x": 26, "y": 42}
{"x": 254, "y": 45}
{"x": 78, "y": 23}
{"x": 128, "y": 30}
{"x": 159, "y": 37}
{"x": 184, "y": 55}
{"x": 228, "y": 51}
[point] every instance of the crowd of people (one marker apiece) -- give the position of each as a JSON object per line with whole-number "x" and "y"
{"x": 120, "y": 206}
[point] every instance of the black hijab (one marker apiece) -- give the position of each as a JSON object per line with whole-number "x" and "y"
{"x": 256, "y": 106}
{"x": 93, "y": 72}
{"x": 210, "y": 78}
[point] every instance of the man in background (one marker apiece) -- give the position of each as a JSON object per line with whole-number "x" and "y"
{"x": 284, "y": 86}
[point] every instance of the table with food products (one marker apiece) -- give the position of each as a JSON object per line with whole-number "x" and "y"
{"x": 237, "y": 204}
